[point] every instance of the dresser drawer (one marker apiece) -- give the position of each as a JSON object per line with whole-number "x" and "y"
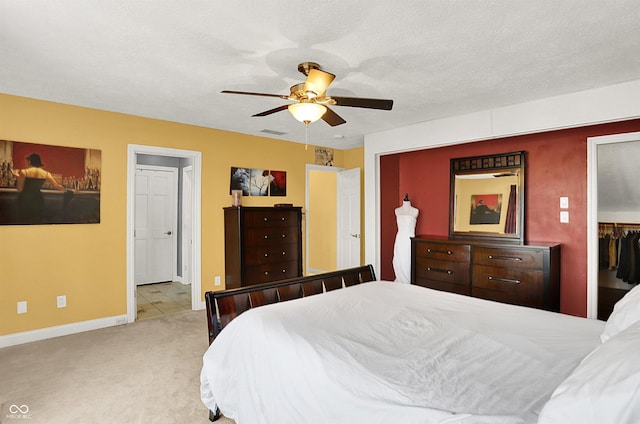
{"x": 271, "y": 218}
{"x": 508, "y": 257}
{"x": 271, "y": 254}
{"x": 509, "y": 285}
{"x": 444, "y": 286}
{"x": 447, "y": 271}
{"x": 443, "y": 251}
{"x": 265, "y": 236}
{"x": 270, "y": 272}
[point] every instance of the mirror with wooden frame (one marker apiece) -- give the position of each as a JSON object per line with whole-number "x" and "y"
{"x": 487, "y": 198}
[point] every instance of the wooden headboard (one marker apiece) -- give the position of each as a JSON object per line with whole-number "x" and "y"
{"x": 225, "y": 305}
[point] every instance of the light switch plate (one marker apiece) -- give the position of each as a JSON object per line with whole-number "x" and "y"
{"x": 564, "y": 203}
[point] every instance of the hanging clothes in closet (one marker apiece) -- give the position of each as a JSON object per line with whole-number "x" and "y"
{"x": 629, "y": 258}
{"x": 608, "y": 246}
{"x": 619, "y": 246}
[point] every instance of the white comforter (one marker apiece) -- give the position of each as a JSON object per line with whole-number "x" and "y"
{"x": 385, "y": 352}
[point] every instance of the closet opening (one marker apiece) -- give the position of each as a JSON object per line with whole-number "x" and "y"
{"x": 618, "y": 271}
{"x": 613, "y": 216}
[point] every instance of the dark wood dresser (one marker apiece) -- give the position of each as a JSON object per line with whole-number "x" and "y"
{"x": 262, "y": 244}
{"x": 527, "y": 275}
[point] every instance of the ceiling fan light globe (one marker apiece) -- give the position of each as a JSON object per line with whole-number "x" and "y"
{"x": 307, "y": 112}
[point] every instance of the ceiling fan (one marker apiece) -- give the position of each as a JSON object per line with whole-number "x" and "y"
{"x": 311, "y": 101}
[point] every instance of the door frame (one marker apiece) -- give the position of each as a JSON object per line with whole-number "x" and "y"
{"x": 592, "y": 213}
{"x": 187, "y": 254}
{"x": 196, "y": 162}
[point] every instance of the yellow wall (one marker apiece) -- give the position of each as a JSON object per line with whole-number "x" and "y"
{"x": 87, "y": 263}
{"x": 353, "y": 158}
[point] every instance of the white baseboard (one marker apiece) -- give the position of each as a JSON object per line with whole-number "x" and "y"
{"x": 60, "y": 330}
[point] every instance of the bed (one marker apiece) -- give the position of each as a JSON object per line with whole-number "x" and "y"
{"x": 343, "y": 347}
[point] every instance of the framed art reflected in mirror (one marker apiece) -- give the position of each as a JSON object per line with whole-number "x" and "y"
{"x": 487, "y": 197}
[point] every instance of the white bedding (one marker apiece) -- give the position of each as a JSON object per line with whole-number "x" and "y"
{"x": 384, "y": 352}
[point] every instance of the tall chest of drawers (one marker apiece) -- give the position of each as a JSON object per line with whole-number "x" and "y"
{"x": 527, "y": 275}
{"x": 262, "y": 244}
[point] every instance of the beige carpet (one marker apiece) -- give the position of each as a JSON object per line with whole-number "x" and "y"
{"x": 145, "y": 372}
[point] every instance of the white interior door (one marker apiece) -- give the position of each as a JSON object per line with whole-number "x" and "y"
{"x": 155, "y": 224}
{"x": 348, "y": 218}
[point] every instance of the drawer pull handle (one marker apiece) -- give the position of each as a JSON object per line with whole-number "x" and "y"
{"x": 284, "y": 270}
{"x": 266, "y": 273}
{"x": 284, "y": 253}
{"x": 448, "y": 252}
{"x": 284, "y": 219}
{"x": 505, "y": 258}
{"x": 447, "y": 271}
{"x": 284, "y": 236}
{"x": 503, "y": 280}
{"x": 266, "y": 255}
{"x": 266, "y": 237}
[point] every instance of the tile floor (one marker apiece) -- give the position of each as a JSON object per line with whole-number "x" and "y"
{"x": 162, "y": 299}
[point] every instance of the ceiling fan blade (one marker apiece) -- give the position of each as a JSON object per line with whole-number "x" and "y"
{"x": 249, "y": 93}
{"x": 332, "y": 118}
{"x": 270, "y": 111}
{"x": 318, "y": 81}
{"x": 362, "y": 102}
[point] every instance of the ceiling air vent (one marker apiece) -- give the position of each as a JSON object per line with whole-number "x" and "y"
{"x": 273, "y": 132}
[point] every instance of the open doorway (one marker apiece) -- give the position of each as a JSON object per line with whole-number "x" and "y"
{"x": 595, "y": 215}
{"x": 320, "y": 216}
{"x": 187, "y": 263}
{"x": 332, "y": 215}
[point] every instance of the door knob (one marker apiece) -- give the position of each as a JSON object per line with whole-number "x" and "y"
{"x": 355, "y": 235}
{"x": 168, "y": 233}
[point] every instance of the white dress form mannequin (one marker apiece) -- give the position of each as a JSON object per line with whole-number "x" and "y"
{"x": 406, "y": 217}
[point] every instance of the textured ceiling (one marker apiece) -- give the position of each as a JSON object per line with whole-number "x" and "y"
{"x": 170, "y": 59}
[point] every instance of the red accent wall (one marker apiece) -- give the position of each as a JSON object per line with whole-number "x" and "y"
{"x": 556, "y": 166}
{"x": 389, "y": 195}
{"x": 67, "y": 161}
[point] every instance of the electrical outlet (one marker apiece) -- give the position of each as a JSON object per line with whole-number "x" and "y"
{"x": 22, "y": 307}
{"x": 217, "y": 280}
{"x": 564, "y": 216}
{"x": 62, "y": 301}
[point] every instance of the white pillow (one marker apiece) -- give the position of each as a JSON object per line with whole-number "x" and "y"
{"x": 604, "y": 388}
{"x": 626, "y": 311}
